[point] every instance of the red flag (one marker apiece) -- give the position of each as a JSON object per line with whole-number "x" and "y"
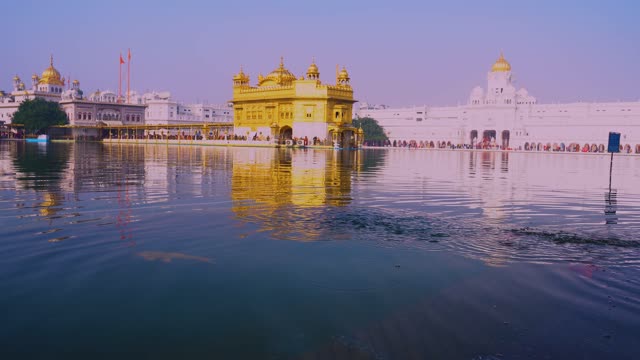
{"x": 121, "y": 59}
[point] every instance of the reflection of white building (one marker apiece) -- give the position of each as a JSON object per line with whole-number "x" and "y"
{"x": 510, "y": 118}
{"x": 163, "y": 110}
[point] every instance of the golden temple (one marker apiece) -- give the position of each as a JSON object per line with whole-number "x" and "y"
{"x": 303, "y": 110}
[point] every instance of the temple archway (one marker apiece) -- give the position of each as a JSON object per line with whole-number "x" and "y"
{"x": 286, "y": 133}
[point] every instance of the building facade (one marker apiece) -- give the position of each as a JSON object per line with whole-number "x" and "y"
{"x": 282, "y": 107}
{"x": 86, "y": 115}
{"x": 163, "y": 110}
{"x": 504, "y": 117}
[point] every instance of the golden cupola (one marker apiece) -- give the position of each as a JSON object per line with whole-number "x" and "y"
{"x": 501, "y": 65}
{"x": 280, "y": 76}
{"x": 240, "y": 78}
{"x": 51, "y": 76}
{"x": 312, "y": 72}
{"x": 343, "y": 77}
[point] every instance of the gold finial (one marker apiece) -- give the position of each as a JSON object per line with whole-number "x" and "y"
{"x": 281, "y": 62}
{"x": 51, "y": 59}
{"x": 313, "y": 59}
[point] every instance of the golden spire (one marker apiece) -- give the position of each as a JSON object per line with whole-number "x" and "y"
{"x": 51, "y": 59}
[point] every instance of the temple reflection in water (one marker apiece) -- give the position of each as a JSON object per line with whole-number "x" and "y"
{"x": 287, "y": 192}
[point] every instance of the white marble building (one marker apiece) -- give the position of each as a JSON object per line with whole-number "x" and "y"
{"x": 501, "y": 116}
{"x": 99, "y": 108}
{"x": 163, "y": 110}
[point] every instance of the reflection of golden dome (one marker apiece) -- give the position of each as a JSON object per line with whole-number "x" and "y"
{"x": 47, "y": 206}
{"x": 51, "y": 76}
{"x": 501, "y": 65}
{"x": 279, "y": 76}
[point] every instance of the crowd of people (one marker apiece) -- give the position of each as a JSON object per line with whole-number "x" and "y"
{"x": 491, "y": 145}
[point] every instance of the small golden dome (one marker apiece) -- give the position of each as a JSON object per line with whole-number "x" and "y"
{"x": 343, "y": 75}
{"x": 501, "y": 65}
{"x": 51, "y": 76}
{"x": 313, "y": 68}
{"x": 241, "y": 76}
{"x": 16, "y": 78}
{"x": 34, "y": 76}
{"x": 76, "y": 82}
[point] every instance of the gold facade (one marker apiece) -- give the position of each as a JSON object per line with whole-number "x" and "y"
{"x": 283, "y": 107}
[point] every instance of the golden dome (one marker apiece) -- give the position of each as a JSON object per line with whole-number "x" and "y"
{"x": 343, "y": 75}
{"x": 240, "y": 75}
{"x": 76, "y": 82}
{"x": 16, "y": 78}
{"x": 34, "y": 76}
{"x": 51, "y": 76}
{"x": 280, "y": 76}
{"x": 501, "y": 65}
{"x": 313, "y": 69}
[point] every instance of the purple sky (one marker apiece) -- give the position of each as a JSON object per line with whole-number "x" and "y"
{"x": 399, "y": 53}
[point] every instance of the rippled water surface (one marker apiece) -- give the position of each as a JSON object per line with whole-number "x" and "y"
{"x": 117, "y": 251}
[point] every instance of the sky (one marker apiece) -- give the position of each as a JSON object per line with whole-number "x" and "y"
{"x": 399, "y": 53}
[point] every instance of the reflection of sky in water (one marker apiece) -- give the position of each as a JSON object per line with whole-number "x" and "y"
{"x": 433, "y": 253}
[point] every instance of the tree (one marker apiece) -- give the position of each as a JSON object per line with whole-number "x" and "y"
{"x": 372, "y": 130}
{"x": 38, "y": 114}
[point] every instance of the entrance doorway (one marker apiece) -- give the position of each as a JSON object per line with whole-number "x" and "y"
{"x": 473, "y": 137}
{"x": 286, "y": 133}
{"x": 505, "y": 139}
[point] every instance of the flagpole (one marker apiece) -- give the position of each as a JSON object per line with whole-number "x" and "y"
{"x": 120, "y": 79}
{"x": 128, "y": 72}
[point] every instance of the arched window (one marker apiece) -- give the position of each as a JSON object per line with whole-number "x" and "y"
{"x": 89, "y": 116}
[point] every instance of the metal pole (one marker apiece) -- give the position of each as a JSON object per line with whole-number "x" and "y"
{"x": 610, "y": 171}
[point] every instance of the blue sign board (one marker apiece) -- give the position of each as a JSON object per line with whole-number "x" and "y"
{"x": 614, "y": 142}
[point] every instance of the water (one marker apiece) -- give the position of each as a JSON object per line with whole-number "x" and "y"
{"x": 243, "y": 253}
